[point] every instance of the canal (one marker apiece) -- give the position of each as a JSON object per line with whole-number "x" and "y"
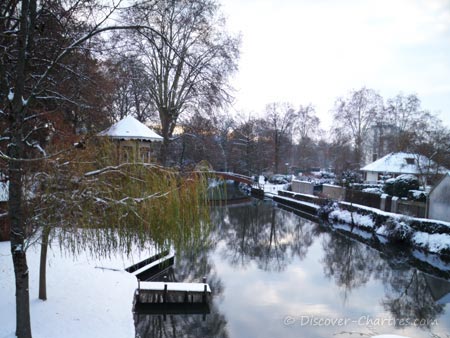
{"x": 275, "y": 274}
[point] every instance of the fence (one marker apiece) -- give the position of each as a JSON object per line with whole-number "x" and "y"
{"x": 414, "y": 209}
{"x": 364, "y": 198}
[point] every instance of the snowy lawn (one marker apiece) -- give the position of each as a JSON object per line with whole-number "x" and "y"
{"x": 83, "y": 299}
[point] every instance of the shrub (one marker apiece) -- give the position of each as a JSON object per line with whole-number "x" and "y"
{"x": 417, "y": 195}
{"x": 349, "y": 177}
{"x": 401, "y": 185}
{"x": 398, "y": 231}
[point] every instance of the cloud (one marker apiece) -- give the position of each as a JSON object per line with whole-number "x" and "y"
{"x": 313, "y": 52}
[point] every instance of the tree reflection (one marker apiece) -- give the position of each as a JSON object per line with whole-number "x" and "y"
{"x": 408, "y": 292}
{"x": 348, "y": 262}
{"x": 190, "y": 266}
{"x": 409, "y": 298}
{"x": 268, "y": 236}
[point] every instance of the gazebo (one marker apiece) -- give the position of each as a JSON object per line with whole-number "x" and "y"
{"x": 134, "y": 139}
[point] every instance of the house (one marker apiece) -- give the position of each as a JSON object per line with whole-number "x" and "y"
{"x": 438, "y": 206}
{"x": 134, "y": 140}
{"x": 395, "y": 164}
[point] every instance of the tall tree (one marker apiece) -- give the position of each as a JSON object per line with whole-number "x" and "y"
{"x": 38, "y": 39}
{"x": 188, "y": 62}
{"x": 131, "y": 93}
{"x": 244, "y": 152}
{"x": 280, "y": 120}
{"x": 307, "y": 128}
{"x": 354, "y": 115}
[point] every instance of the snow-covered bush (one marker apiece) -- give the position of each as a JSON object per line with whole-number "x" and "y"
{"x": 350, "y": 176}
{"x": 417, "y": 195}
{"x": 376, "y": 191}
{"x": 400, "y": 185}
{"x": 326, "y": 209}
{"x": 398, "y": 231}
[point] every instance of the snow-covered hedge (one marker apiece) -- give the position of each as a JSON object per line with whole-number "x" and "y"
{"x": 396, "y": 228}
{"x": 401, "y": 185}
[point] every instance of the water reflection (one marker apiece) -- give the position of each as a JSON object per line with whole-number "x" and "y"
{"x": 409, "y": 298}
{"x": 190, "y": 266}
{"x": 263, "y": 234}
{"x": 264, "y": 263}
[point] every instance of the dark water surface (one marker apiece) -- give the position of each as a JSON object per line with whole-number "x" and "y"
{"x": 274, "y": 274}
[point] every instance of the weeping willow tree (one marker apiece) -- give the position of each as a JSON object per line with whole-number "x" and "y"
{"x": 87, "y": 201}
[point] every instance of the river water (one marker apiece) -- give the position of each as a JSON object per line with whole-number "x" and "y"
{"x": 275, "y": 274}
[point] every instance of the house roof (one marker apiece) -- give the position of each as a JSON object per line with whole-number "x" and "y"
{"x": 400, "y": 163}
{"x": 131, "y": 129}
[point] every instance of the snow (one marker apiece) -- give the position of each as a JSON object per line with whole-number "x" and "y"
{"x": 377, "y": 191}
{"x": 433, "y": 242}
{"x": 11, "y": 94}
{"x": 4, "y": 191}
{"x": 159, "y": 286}
{"x": 148, "y": 266}
{"x": 389, "y": 336}
{"x": 352, "y": 218}
{"x": 393, "y": 215}
{"x": 270, "y": 188}
{"x": 397, "y": 163}
{"x": 312, "y": 205}
{"x": 83, "y": 300}
{"x": 130, "y": 128}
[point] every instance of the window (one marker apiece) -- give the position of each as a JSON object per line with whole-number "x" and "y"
{"x": 410, "y": 160}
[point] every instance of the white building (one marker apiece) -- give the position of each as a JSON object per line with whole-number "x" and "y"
{"x": 134, "y": 140}
{"x": 395, "y": 164}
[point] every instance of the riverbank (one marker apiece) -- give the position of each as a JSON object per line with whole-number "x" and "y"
{"x": 87, "y": 297}
{"x": 429, "y": 240}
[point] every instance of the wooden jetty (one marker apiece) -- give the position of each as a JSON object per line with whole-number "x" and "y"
{"x": 172, "y": 298}
{"x": 152, "y": 267}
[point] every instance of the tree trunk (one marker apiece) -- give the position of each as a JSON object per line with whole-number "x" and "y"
{"x": 18, "y": 235}
{"x": 43, "y": 264}
{"x": 165, "y": 131}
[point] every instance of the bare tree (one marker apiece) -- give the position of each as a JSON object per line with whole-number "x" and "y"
{"x": 280, "y": 119}
{"x": 406, "y": 115}
{"x": 354, "y": 115}
{"x": 188, "y": 62}
{"x": 307, "y": 128}
{"x": 38, "y": 39}
{"x": 132, "y": 93}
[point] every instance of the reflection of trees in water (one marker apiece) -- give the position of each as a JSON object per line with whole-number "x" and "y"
{"x": 409, "y": 297}
{"x": 351, "y": 264}
{"x": 266, "y": 235}
{"x": 155, "y": 326}
{"x": 190, "y": 266}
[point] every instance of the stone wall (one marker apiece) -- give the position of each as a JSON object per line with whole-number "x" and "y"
{"x": 302, "y": 187}
{"x": 333, "y": 192}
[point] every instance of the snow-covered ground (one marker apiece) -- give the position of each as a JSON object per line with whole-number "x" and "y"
{"x": 272, "y": 189}
{"x": 87, "y": 297}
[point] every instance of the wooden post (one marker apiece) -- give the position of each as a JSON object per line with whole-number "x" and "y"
{"x": 165, "y": 293}
{"x": 139, "y": 291}
{"x": 204, "y": 290}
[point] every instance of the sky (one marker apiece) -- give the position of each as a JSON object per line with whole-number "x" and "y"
{"x": 314, "y": 51}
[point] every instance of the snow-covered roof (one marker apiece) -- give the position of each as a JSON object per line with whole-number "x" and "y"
{"x": 400, "y": 163}
{"x": 131, "y": 129}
